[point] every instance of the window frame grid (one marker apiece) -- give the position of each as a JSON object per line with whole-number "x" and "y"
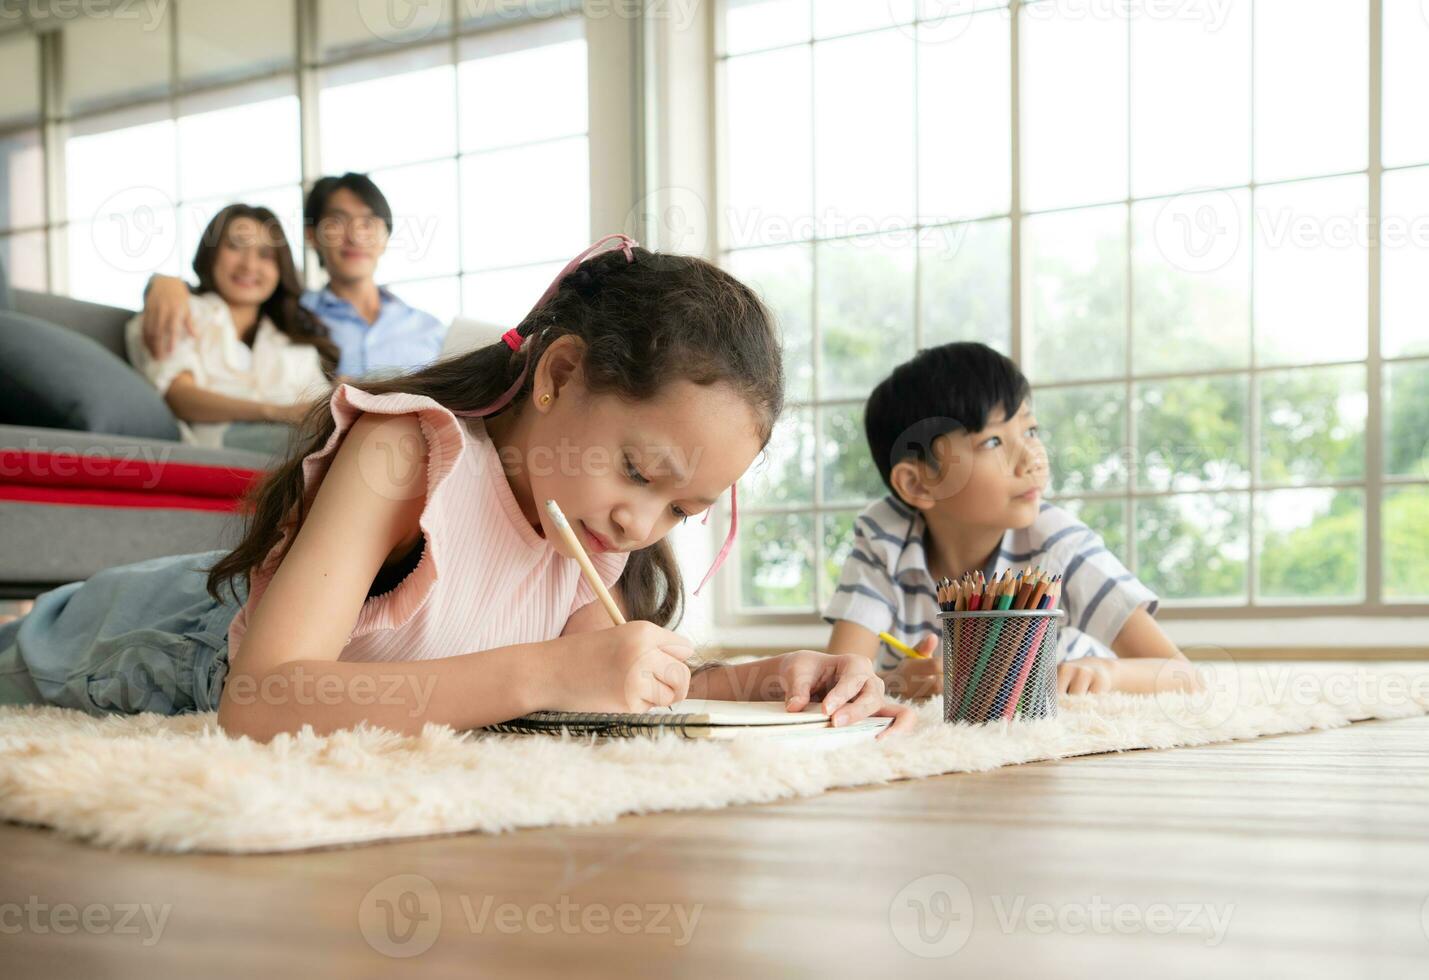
{"x": 1249, "y": 605}
{"x": 304, "y": 67}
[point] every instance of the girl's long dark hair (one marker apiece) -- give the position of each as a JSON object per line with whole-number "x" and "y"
{"x": 645, "y": 323}
{"x": 282, "y": 307}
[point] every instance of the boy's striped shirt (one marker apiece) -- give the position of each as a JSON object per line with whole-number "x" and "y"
{"x": 886, "y": 586}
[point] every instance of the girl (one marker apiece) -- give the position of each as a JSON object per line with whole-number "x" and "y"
{"x": 400, "y": 569}
{"x": 256, "y": 360}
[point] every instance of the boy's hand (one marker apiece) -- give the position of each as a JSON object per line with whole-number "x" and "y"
{"x": 166, "y": 315}
{"x": 1088, "y": 675}
{"x": 849, "y": 689}
{"x": 915, "y": 678}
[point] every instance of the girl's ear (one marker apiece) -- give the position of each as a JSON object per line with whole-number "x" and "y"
{"x": 560, "y": 366}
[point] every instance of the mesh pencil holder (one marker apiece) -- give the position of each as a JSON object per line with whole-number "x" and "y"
{"x": 1000, "y": 664}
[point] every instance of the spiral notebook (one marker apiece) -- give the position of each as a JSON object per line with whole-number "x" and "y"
{"x": 698, "y": 718}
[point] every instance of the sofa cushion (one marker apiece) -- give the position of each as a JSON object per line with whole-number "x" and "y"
{"x": 50, "y": 544}
{"x": 100, "y": 323}
{"x": 55, "y": 378}
{"x": 148, "y": 451}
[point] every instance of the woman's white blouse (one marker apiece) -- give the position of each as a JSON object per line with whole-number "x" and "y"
{"x": 274, "y": 370}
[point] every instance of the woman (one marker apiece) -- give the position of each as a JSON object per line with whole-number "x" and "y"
{"x": 255, "y": 360}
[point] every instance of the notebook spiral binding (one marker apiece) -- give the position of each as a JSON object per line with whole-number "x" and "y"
{"x": 609, "y": 724}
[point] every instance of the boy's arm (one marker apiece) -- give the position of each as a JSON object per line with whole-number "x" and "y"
{"x": 1147, "y": 662}
{"x": 1142, "y": 636}
{"x": 1143, "y": 675}
{"x": 167, "y": 314}
{"x": 849, "y": 637}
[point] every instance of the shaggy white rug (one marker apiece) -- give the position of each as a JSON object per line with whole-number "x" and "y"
{"x": 179, "y": 784}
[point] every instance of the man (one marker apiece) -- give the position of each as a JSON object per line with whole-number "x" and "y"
{"x": 348, "y": 222}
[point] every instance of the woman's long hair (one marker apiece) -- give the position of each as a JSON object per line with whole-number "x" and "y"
{"x": 282, "y": 307}
{"x": 644, "y": 324}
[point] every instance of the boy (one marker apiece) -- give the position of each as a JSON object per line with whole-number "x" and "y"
{"x": 974, "y": 504}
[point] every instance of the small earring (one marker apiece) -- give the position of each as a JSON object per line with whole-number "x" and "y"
{"x": 545, "y": 399}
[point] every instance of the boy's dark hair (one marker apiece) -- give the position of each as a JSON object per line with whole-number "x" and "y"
{"x": 951, "y": 388}
{"x": 360, "y": 184}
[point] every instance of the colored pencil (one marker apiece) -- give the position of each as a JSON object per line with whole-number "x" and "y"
{"x": 1022, "y": 590}
{"x": 999, "y": 597}
{"x": 902, "y": 647}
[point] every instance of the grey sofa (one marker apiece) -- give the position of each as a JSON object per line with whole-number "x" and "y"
{"x": 44, "y": 543}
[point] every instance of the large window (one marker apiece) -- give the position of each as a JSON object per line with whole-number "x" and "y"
{"x": 490, "y": 180}
{"x": 1202, "y": 229}
{"x": 164, "y": 116}
{"x": 471, "y": 118}
{"x": 141, "y": 186}
{"x": 22, "y": 178}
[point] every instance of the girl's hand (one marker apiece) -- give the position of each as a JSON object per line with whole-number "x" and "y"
{"x": 629, "y": 668}
{"x": 914, "y": 678}
{"x": 1088, "y": 675}
{"x": 847, "y": 685}
{"x": 287, "y": 414}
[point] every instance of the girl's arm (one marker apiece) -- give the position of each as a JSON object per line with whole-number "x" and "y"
{"x": 844, "y": 686}
{"x": 287, "y": 673}
{"x": 796, "y": 678}
{"x": 912, "y": 678}
{"x": 754, "y": 680}
{"x": 195, "y": 404}
{"x": 592, "y": 616}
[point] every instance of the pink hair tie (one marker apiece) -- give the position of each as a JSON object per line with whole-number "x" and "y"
{"x": 514, "y": 340}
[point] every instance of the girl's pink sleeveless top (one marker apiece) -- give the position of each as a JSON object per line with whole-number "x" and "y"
{"x": 486, "y": 579}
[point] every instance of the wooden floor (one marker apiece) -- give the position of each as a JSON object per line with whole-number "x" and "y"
{"x": 1297, "y": 856}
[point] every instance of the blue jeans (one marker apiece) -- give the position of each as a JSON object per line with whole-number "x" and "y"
{"x": 140, "y": 637}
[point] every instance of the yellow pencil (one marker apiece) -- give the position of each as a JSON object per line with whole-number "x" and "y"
{"x": 587, "y": 569}
{"x": 901, "y": 647}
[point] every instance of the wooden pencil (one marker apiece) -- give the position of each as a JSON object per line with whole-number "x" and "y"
{"x": 565, "y": 530}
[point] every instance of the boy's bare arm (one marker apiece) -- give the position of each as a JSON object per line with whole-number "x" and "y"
{"x": 850, "y": 637}
{"x": 1142, "y": 675}
{"x": 1142, "y": 636}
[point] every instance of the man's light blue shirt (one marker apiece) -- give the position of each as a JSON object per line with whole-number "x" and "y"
{"x": 400, "y": 339}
